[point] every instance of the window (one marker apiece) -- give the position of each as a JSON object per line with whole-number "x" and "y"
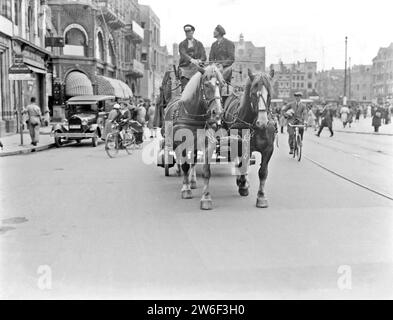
{"x": 144, "y": 57}
{"x": 100, "y": 47}
{"x": 143, "y": 25}
{"x": 75, "y": 42}
{"x": 5, "y": 9}
{"x": 309, "y": 85}
{"x": 17, "y": 12}
{"x": 111, "y": 51}
{"x": 309, "y": 75}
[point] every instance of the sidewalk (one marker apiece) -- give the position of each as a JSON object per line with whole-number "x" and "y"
{"x": 12, "y": 145}
{"x": 363, "y": 127}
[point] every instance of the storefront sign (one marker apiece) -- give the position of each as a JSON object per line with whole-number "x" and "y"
{"x": 19, "y": 70}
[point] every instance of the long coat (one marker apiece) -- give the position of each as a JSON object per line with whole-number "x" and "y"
{"x": 377, "y": 117}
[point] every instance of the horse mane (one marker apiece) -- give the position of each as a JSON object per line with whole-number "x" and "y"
{"x": 192, "y": 88}
{"x": 191, "y": 91}
{"x": 245, "y": 103}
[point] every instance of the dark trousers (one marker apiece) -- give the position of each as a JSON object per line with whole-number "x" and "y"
{"x": 291, "y": 136}
{"x": 323, "y": 125}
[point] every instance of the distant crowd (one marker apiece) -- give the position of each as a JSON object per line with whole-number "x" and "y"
{"x": 380, "y": 114}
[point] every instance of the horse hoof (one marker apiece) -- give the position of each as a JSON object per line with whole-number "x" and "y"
{"x": 186, "y": 194}
{"x": 193, "y": 185}
{"x": 262, "y": 203}
{"x": 206, "y": 204}
{"x": 243, "y": 192}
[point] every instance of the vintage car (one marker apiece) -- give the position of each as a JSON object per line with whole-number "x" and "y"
{"x": 85, "y": 118}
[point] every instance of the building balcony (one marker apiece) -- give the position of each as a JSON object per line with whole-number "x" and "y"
{"x": 114, "y": 18}
{"x": 135, "y": 32}
{"x": 133, "y": 68}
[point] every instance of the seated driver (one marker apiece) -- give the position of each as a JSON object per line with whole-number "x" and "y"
{"x": 296, "y": 114}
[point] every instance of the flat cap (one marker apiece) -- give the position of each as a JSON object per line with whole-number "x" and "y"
{"x": 298, "y": 94}
{"x": 189, "y": 27}
{"x": 220, "y": 30}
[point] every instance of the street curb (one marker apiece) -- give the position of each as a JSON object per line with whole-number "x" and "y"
{"x": 369, "y": 133}
{"x": 27, "y": 151}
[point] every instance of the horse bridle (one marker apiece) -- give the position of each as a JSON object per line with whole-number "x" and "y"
{"x": 206, "y": 102}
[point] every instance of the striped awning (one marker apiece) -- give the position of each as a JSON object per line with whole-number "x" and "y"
{"x": 117, "y": 88}
{"x": 78, "y": 84}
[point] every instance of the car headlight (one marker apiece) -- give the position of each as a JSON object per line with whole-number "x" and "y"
{"x": 84, "y": 122}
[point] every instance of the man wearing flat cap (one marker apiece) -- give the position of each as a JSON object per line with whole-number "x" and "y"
{"x": 223, "y": 52}
{"x": 192, "y": 53}
{"x": 296, "y": 113}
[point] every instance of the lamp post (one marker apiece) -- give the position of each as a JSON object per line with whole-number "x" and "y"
{"x": 345, "y": 74}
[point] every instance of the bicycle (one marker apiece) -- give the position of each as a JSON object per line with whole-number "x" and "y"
{"x": 298, "y": 142}
{"x": 116, "y": 141}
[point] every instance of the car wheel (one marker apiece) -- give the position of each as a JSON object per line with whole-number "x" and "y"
{"x": 58, "y": 142}
{"x": 95, "y": 140}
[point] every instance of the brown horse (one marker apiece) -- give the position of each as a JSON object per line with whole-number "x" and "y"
{"x": 252, "y": 111}
{"x": 198, "y": 108}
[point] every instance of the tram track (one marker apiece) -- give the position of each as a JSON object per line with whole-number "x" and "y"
{"x": 334, "y": 172}
{"x": 351, "y": 153}
{"x": 345, "y": 177}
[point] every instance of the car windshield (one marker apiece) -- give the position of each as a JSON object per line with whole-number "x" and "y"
{"x": 84, "y": 108}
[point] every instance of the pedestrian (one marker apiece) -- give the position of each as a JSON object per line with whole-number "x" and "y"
{"x": 377, "y": 118}
{"x": 387, "y": 113}
{"x": 358, "y": 112}
{"x": 326, "y": 120}
{"x": 150, "y": 122}
{"x": 310, "y": 118}
{"x": 192, "y": 53}
{"x": 34, "y": 120}
{"x": 344, "y": 112}
{"x": 283, "y": 120}
{"x": 350, "y": 116}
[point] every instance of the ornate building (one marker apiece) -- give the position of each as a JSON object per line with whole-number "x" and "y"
{"x": 382, "y": 71}
{"x": 101, "y": 53}
{"x": 23, "y": 27}
{"x": 294, "y": 77}
{"x": 154, "y": 56}
{"x": 361, "y": 83}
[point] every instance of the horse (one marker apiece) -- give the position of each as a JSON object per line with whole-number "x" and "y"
{"x": 251, "y": 111}
{"x": 198, "y": 107}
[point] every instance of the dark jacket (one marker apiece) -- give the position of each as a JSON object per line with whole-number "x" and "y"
{"x": 186, "y": 54}
{"x": 327, "y": 117}
{"x": 300, "y": 112}
{"x": 223, "y": 52}
{"x": 377, "y": 117}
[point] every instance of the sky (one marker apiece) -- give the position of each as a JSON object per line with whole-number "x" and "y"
{"x": 290, "y": 30}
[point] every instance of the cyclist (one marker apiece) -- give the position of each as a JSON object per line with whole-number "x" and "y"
{"x": 296, "y": 114}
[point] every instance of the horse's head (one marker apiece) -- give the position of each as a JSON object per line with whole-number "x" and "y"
{"x": 260, "y": 95}
{"x": 211, "y": 83}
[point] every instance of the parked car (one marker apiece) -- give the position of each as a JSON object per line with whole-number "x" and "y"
{"x": 85, "y": 118}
